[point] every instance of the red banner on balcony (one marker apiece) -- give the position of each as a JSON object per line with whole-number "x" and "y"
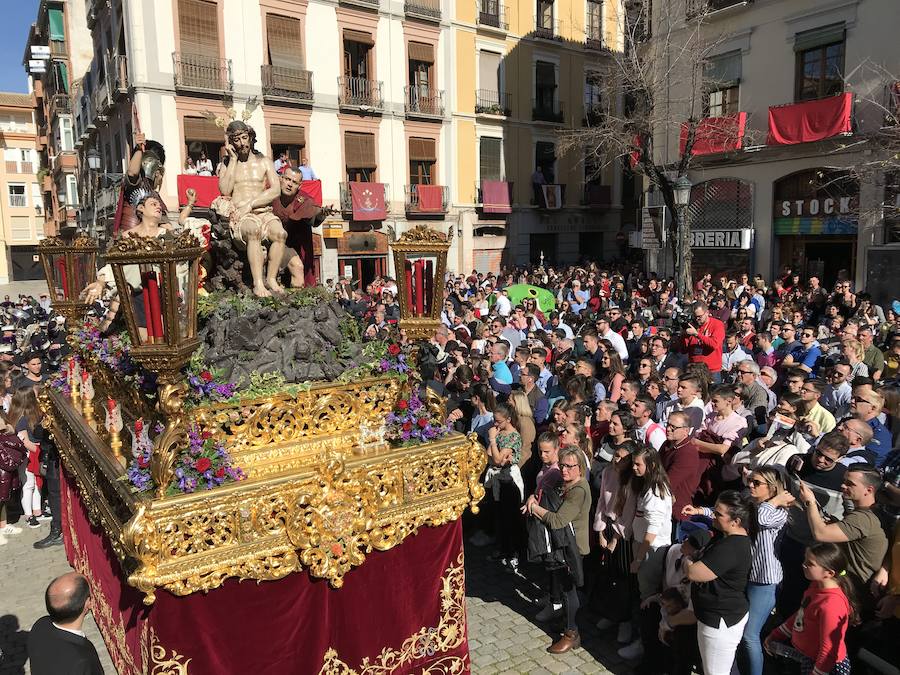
{"x": 495, "y": 197}
{"x": 367, "y": 200}
{"x": 714, "y": 135}
{"x": 431, "y": 198}
{"x": 312, "y": 189}
{"x": 811, "y": 120}
{"x": 207, "y": 188}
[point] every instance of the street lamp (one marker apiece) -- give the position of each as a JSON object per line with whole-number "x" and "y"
{"x": 93, "y": 162}
{"x": 93, "y": 159}
{"x": 681, "y": 190}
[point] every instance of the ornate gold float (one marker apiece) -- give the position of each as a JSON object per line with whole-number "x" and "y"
{"x": 315, "y": 498}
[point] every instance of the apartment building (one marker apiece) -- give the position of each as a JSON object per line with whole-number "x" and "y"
{"x": 528, "y": 71}
{"x": 806, "y": 85}
{"x": 358, "y": 87}
{"x": 60, "y": 31}
{"x": 21, "y": 201}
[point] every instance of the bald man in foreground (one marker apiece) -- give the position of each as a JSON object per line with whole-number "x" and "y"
{"x": 57, "y": 644}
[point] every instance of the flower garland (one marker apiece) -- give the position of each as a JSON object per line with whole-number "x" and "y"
{"x": 113, "y": 351}
{"x": 203, "y": 465}
{"x": 412, "y": 422}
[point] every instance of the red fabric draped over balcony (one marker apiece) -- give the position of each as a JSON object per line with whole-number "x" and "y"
{"x": 495, "y": 196}
{"x": 313, "y": 190}
{"x": 431, "y": 198}
{"x": 714, "y": 135}
{"x": 811, "y": 120}
{"x": 368, "y": 201}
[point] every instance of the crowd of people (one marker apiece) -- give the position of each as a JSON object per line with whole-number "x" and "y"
{"x": 32, "y": 346}
{"x": 717, "y": 478}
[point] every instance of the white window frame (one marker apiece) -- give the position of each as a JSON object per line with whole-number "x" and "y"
{"x": 10, "y": 195}
{"x": 478, "y": 137}
{"x": 72, "y": 190}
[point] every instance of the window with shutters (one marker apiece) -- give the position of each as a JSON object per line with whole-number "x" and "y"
{"x": 721, "y": 82}
{"x": 359, "y": 157}
{"x": 20, "y": 228}
{"x": 594, "y": 28}
{"x": 544, "y": 22}
{"x": 202, "y": 135}
{"x": 357, "y": 51}
{"x": 820, "y": 71}
{"x": 198, "y": 26}
{"x": 17, "y": 196}
{"x": 490, "y": 158}
{"x": 289, "y": 139}
{"x": 285, "y": 38}
{"x": 422, "y": 160}
{"x": 544, "y": 85}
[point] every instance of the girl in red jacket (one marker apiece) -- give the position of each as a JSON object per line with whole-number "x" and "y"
{"x": 816, "y": 631}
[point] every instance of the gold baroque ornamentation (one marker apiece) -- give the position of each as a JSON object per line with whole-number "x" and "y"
{"x": 156, "y": 659}
{"x": 276, "y": 523}
{"x": 446, "y": 636}
{"x": 422, "y": 234}
{"x": 185, "y": 241}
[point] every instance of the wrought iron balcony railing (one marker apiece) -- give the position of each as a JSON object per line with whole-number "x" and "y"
{"x": 493, "y": 14}
{"x": 411, "y": 199}
{"x": 291, "y": 84}
{"x": 358, "y": 92}
{"x": 488, "y": 102}
{"x": 547, "y": 29}
{"x": 546, "y": 111}
{"x": 423, "y": 101}
{"x": 198, "y": 72}
{"x": 427, "y": 9}
{"x": 347, "y": 201}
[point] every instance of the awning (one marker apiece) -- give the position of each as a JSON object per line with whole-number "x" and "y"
{"x": 358, "y": 36}
{"x": 202, "y": 129}
{"x": 283, "y": 134}
{"x": 422, "y": 150}
{"x": 421, "y": 52}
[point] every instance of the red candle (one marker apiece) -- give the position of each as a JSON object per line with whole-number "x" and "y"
{"x": 138, "y": 426}
{"x": 155, "y": 307}
{"x": 420, "y": 287}
{"x": 61, "y": 266}
{"x": 409, "y": 289}
{"x": 146, "y": 298}
{"x": 84, "y": 375}
{"x": 429, "y": 286}
{"x": 111, "y": 405}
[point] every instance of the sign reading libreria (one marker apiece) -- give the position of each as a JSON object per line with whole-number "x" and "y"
{"x": 733, "y": 239}
{"x": 817, "y": 215}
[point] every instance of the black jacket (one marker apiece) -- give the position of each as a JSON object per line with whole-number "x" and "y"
{"x": 53, "y": 651}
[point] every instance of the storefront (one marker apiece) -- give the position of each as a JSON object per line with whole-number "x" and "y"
{"x": 816, "y": 213}
{"x": 362, "y": 256}
{"x": 720, "y": 215}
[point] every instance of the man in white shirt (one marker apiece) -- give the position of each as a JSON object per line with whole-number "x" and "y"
{"x": 688, "y": 402}
{"x": 606, "y": 333}
{"x": 733, "y": 352}
{"x": 502, "y": 305}
{"x": 836, "y": 397}
{"x": 646, "y": 430}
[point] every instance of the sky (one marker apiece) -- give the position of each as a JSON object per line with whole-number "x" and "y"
{"x": 16, "y": 17}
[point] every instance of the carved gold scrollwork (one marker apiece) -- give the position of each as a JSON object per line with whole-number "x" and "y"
{"x": 174, "y": 437}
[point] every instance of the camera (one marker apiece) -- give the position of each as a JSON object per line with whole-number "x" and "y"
{"x": 681, "y": 320}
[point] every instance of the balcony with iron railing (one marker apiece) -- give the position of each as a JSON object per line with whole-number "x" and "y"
{"x": 593, "y": 38}
{"x": 197, "y": 72}
{"x": 547, "y": 111}
{"x": 488, "y": 102}
{"x": 423, "y": 9}
{"x": 706, "y": 8}
{"x": 547, "y": 29}
{"x": 596, "y": 195}
{"x": 18, "y": 201}
{"x": 58, "y": 48}
{"x": 371, "y": 4}
{"x": 359, "y": 92}
{"x": 479, "y": 193}
{"x": 347, "y": 201}
{"x": 493, "y": 14}
{"x": 60, "y": 104}
{"x": 287, "y": 84}
{"x": 423, "y": 102}
{"x": 413, "y": 206}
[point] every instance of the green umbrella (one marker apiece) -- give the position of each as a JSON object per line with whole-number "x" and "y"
{"x": 545, "y": 300}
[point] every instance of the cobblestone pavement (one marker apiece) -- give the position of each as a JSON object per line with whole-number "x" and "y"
{"x": 24, "y": 575}
{"x": 503, "y": 637}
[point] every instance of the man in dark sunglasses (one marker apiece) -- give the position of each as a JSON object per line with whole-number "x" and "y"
{"x": 807, "y": 359}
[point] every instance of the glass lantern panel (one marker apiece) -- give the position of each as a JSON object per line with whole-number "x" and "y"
{"x": 420, "y": 283}
{"x": 186, "y": 275}
{"x": 80, "y": 268}
{"x": 61, "y": 287}
{"x": 146, "y": 302}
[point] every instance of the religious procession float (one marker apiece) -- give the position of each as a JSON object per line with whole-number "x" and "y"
{"x": 247, "y": 485}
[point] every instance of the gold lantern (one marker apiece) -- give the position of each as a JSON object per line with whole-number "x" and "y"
{"x": 157, "y": 280}
{"x": 420, "y": 261}
{"x": 70, "y": 265}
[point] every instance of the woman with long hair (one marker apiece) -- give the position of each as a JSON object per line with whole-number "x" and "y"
{"x": 526, "y": 426}
{"x": 817, "y": 630}
{"x": 504, "y": 450}
{"x": 719, "y": 588}
{"x": 613, "y": 374}
{"x": 25, "y": 417}
{"x": 572, "y": 513}
{"x": 483, "y": 406}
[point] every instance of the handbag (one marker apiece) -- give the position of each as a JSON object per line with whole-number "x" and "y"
{"x": 12, "y": 452}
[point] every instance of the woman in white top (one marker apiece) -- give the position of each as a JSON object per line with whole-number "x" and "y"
{"x": 652, "y": 526}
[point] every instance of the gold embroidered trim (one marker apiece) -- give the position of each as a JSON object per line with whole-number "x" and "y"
{"x": 446, "y": 636}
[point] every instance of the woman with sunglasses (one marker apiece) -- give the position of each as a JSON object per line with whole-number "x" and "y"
{"x": 572, "y": 514}
{"x": 719, "y": 584}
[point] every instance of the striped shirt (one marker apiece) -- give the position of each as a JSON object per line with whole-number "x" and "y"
{"x": 765, "y": 567}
